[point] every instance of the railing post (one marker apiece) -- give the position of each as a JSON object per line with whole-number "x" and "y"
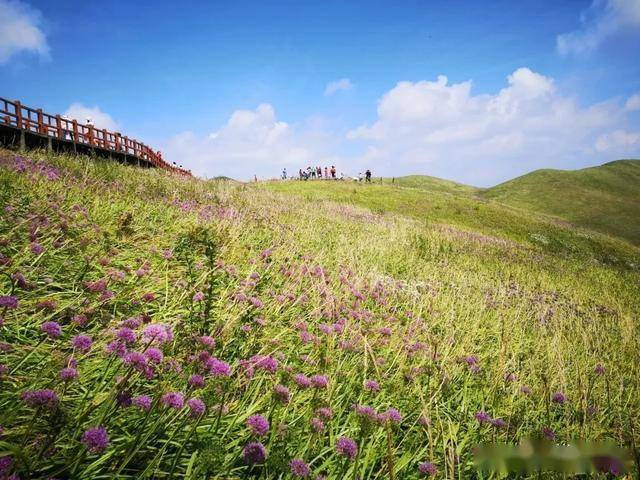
{"x": 18, "y": 114}
{"x": 75, "y": 135}
{"x": 59, "y": 126}
{"x": 41, "y": 127}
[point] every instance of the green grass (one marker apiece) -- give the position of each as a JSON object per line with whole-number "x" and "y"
{"x": 354, "y": 282}
{"x": 445, "y": 207}
{"x": 604, "y": 198}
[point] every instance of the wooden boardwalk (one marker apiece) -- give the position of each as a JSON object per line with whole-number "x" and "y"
{"x": 32, "y": 128}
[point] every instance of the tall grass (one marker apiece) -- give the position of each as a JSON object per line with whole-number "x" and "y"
{"x": 415, "y": 341}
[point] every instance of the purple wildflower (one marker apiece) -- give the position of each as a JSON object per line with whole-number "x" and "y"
{"x": 258, "y": 425}
{"x": 302, "y": 380}
{"x": 254, "y": 452}
{"x": 324, "y": 412}
{"x": 36, "y": 248}
{"x": 6, "y": 463}
{"x": 198, "y": 297}
{"x": 393, "y": 415}
{"x": 347, "y": 447}
{"x": 483, "y": 417}
{"x": 498, "y": 423}
{"x": 281, "y": 393}
{"x": 299, "y": 468}
{"x": 154, "y": 355}
{"x": 143, "y": 402}
{"x": 196, "y": 406}
{"x": 371, "y": 385}
{"x": 82, "y": 343}
{"x": 218, "y": 368}
{"x": 157, "y": 332}
{"x": 320, "y": 381}
{"x": 67, "y": 374}
{"x": 559, "y": 398}
{"x": 208, "y": 341}
{"x": 196, "y": 381}
{"x": 548, "y": 433}
{"x": 599, "y": 369}
{"x": 95, "y": 439}
{"x": 173, "y": 400}
{"x": 525, "y": 390}
{"x": 8, "y": 301}
{"x": 126, "y": 335}
{"x": 40, "y": 398}
{"x": 317, "y": 425}
{"x": 52, "y": 329}
{"x": 366, "y": 412}
{"x": 427, "y": 468}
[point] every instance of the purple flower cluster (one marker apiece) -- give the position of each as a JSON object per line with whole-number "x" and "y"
{"x": 218, "y": 368}
{"x": 299, "y": 468}
{"x": 40, "y": 398}
{"x": 427, "y": 468}
{"x": 254, "y": 453}
{"x": 157, "y": 333}
{"x": 196, "y": 407}
{"x": 173, "y": 400}
{"x": 258, "y": 425}
{"x": 52, "y": 329}
{"x": 95, "y": 439}
{"x": 8, "y": 301}
{"x": 82, "y": 343}
{"x": 347, "y": 447}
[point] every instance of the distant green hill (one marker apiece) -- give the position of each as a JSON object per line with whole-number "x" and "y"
{"x": 604, "y": 198}
{"x": 425, "y": 182}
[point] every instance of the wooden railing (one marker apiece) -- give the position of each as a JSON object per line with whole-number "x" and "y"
{"x": 14, "y": 114}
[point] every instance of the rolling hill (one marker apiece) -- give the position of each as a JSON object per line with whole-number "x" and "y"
{"x": 604, "y": 198}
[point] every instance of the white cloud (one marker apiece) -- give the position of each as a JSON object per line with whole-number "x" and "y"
{"x": 442, "y": 129}
{"x": 333, "y": 87}
{"x": 100, "y": 119}
{"x": 20, "y": 30}
{"x": 252, "y": 142}
{"x": 633, "y": 103}
{"x": 619, "y": 141}
{"x": 604, "y": 19}
{"x": 426, "y": 127}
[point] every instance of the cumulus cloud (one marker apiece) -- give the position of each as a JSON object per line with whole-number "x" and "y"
{"x": 633, "y": 103}
{"x": 604, "y": 19}
{"x": 20, "y": 30}
{"x": 431, "y": 127}
{"x": 619, "y": 141}
{"x": 252, "y": 142}
{"x": 443, "y": 129}
{"x": 100, "y": 119}
{"x": 333, "y": 87}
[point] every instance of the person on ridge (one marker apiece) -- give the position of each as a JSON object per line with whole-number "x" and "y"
{"x": 367, "y": 175}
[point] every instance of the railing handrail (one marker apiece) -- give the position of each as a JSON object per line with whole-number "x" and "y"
{"x": 67, "y": 129}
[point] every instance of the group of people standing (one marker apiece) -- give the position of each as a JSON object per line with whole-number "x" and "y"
{"x": 326, "y": 173}
{"x": 318, "y": 172}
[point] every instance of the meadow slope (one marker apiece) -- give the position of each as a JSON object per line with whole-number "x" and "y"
{"x": 604, "y": 198}
{"x": 162, "y": 327}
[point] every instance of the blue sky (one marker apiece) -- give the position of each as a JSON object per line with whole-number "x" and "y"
{"x": 243, "y": 88}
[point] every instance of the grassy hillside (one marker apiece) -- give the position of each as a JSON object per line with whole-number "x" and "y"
{"x": 444, "y": 207}
{"x": 146, "y": 320}
{"x": 432, "y": 184}
{"x": 604, "y": 198}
